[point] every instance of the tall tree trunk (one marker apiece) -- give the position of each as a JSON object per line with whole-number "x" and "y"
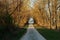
{"x": 50, "y": 13}
{"x": 54, "y": 12}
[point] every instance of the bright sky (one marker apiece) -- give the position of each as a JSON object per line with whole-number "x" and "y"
{"x": 31, "y": 20}
{"x": 32, "y": 2}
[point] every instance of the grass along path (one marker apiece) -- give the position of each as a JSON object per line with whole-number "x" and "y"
{"x": 5, "y": 34}
{"x": 50, "y": 34}
{"x": 15, "y": 34}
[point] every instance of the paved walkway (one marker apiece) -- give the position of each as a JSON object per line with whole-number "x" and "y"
{"x": 32, "y": 34}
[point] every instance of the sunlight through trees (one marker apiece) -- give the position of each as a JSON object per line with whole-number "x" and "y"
{"x": 46, "y": 13}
